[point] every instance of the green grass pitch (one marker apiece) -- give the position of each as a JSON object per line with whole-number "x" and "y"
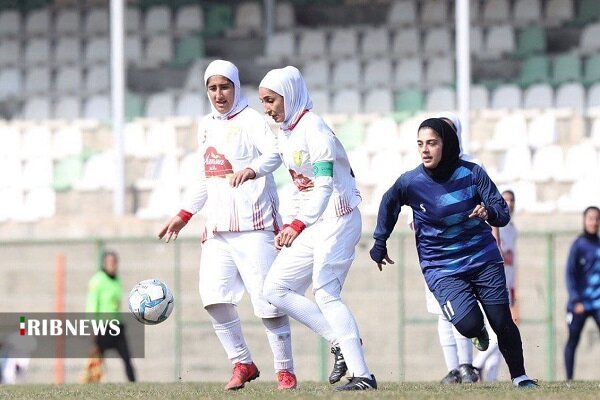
{"x": 305, "y": 390}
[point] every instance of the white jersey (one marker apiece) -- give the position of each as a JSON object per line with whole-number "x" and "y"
{"x": 227, "y": 146}
{"x": 508, "y": 242}
{"x": 310, "y": 142}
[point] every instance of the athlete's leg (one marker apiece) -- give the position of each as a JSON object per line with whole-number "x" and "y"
{"x": 575, "y": 323}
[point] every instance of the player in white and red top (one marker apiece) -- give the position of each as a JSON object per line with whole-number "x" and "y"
{"x": 318, "y": 246}
{"x": 241, "y": 222}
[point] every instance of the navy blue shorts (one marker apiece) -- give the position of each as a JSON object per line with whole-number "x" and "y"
{"x": 458, "y": 294}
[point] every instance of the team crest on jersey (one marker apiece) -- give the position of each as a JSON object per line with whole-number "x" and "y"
{"x": 233, "y": 132}
{"x": 298, "y": 157}
{"x": 216, "y": 164}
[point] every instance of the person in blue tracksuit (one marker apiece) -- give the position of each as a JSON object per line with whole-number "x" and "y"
{"x": 454, "y": 202}
{"x": 583, "y": 283}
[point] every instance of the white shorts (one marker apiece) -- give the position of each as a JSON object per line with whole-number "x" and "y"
{"x": 322, "y": 253}
{"x": 232, "y": 262}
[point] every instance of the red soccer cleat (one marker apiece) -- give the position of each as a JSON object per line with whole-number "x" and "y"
{"x": 286, "y": 380}
{"x": 242, "y": 373}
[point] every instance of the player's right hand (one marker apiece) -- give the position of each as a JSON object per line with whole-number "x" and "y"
{"x": 379, "y": 254}
{"x": 172, "y": 228}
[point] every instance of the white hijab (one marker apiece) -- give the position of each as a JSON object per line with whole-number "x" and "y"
{"x": 456, "y": 122}
{"x": 229, "y": 71}
{"x": 289, "y": 83}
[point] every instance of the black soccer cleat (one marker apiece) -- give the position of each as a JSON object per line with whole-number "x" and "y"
{"x": 358, "y": 383}
{"x": 339, "y": 365}
{"x": 468, "y": 373}
{"x": 452, "y": 378}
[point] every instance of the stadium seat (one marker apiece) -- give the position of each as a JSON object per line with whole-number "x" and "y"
{"x": 587, "y": 11}
{"x": 435, "y": 12}
{"x": 189, "y": 19}
{"x": 97, "y": 107}
{"x": 10, "y": 53}
{"x": 510, "y": 131}
{"x": 36, "y": 142}
{"x": 476, "y": 40}
{"x": 351, "y": 133}
{"x": 407, "y": 42}
{"x": 559, "y": 11}
{"x": 312, "y": 44}
{"x": 97, "y": 50}
{"x": 67, "y": 51}
{"x": 585, "y": 191}
{"x": 381, "y": 133}
{"x": 188, "y": 168}
{"x": 157, "y": 20}
{"x": 38, "y": 203}
{"x": 589, "y": 41}
{"x": 480, "y": 97}
{"x": 67, "y": 171}
{"x": 96, "y": 22}
{"x": 134, "y": 106}
{"x": 11, "y": 82}
{"x": 539, "y": 95}
{"x": 546, "y": 163}
{"x": 248, "y": 19}
{"x": 346, "y": 73}
{"x": 66, "y": 141}
{"x": 37, "y": 108}
{"x": 135, "y": 140}
{"x": 527, "y": 12}
{"x": 438, "y": 41}
{"x": 440, "y": 99}
{"x": 580, "y": 162}
{"x": 409, "y": 72}
{"x": 37, "y": 52}
{"x": 132, "y": 20}
{"x": 280, "y": 46}
{"x": 531, "y": 40}
{"x": 410, "y": 100}
{"x": 163, "y": 168}
{"x": 67, "y": 22}
{"x": 161, "y": 139}
{"x": 346, "y": 101}
{"x": 591, "y": 69}
{"x": 160, "y": 105}
{"x": 67, "y": 108}
{"x": 570, "y": 95}
{"x": 375, "y": 41}
{"x": 439, "y": 71}
{"x": 535, "y": 69}
{"x": 378, "y": 72}
{"x": 219, "y": 18}
{"x": 343, "y": 42}
{"x": 474, "y": 11}
{"x": 321, "y": 101}
{"x": 496, "y": 11}
{"x": 10, "y": 23}
{"x": 285, "y": 16}
{"x": 542, "y": 130}
{"x": 316, "y": 73}
{"x": 499, "y": 40}
{"x": 593, "y": 97}
{"x": 133, "y": 50}
{"x": 514, "y": 164}
{"x": 37, "y": 173}
{"x": 37, "y": 22}
{"x": 98, "y": 173}
{"x": 188, "y": 49}
{"x": 68, "y": 80}
{"x": 159, "y": 50}
{"x": 97, "y": 79}
{"x": 37, "y": 81}
{"x": 566, "y": 68}
{"x": 10, "y": 143}
{"x": 402, "y": 12}
{"x": 378, "y": 100}
{"x": 191, "y": 105}
{"x": 11, "y": 173}
{"x": 164, "y": 200}
{"x": 595, "y": 134}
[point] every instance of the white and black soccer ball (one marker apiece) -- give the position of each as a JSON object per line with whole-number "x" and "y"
{"x": 151, "y": 301}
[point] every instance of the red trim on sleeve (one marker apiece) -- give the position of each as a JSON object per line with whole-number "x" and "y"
{"x": 185, "y": 215}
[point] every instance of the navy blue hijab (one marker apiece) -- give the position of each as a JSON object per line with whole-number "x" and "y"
{"x": 450, "y": 150}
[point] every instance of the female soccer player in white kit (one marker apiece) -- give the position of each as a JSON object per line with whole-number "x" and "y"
{"x": 238, "y": 243}
{"x": 318, "y": 246}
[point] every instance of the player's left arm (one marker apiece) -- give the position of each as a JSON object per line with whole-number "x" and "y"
{"x": 494, "y": 208}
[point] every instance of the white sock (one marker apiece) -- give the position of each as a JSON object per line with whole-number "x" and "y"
{"x": 228, "y": 328}
{"x": 280, "y": 339}
{"x": 344, "y": 325}
{"x": 300, "y": 308}
{"x": 448, "y": 343}
{"x": 464, "y": 347}
{"x": 520, "y": 379}
{"x": 492, "y": 364}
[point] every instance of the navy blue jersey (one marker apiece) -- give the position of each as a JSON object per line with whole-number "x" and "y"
{"x": 448, "y": 241}
{"x": 583, "y": 273}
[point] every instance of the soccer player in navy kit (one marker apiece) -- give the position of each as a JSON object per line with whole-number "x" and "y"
{"x": 583, "y": 283}
{"x": 451, "y": 201}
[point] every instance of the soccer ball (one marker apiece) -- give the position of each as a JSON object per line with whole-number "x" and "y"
{"x": 151, "y": 301}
